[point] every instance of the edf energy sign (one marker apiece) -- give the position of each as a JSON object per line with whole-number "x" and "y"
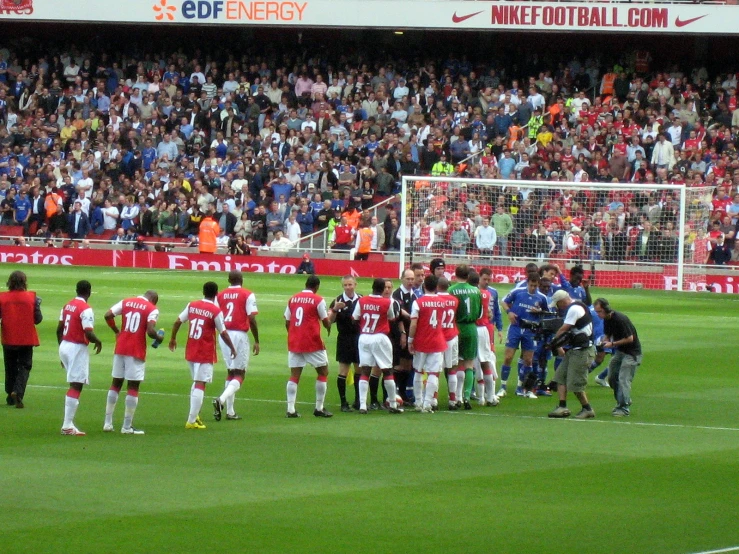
{"x": 229, "y": 10}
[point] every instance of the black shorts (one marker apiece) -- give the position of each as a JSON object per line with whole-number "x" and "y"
{"x": 347, "y": 349}
{"x": 398, "y": 352}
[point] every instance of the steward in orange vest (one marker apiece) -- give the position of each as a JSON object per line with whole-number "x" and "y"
{"x": 207, "y": 235}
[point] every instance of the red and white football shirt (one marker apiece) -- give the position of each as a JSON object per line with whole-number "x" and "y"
{"x": 448, "y": 316}
{"x": 428, "y": 312}
{"x": 205, "y": 320}
{"x": 237, "y": 304}
{"x": 304, "y": 312}
{"x": 137, "y": 313}
{"x": 484, "y": 320}
{"x": 77, "y": 317}
{"x": 374, "y": 314}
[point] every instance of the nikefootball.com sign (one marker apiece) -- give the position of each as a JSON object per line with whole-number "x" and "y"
{"x": 407, "y": 14}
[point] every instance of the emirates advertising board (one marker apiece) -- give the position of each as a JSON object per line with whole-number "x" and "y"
{"x": 657, "y": 278}
{"x": 632, "y": 17}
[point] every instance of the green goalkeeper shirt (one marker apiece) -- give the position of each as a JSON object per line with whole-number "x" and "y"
{"x": 470, "y": 302}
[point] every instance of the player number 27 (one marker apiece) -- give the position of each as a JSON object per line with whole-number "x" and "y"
{"x": 369, "y": 322}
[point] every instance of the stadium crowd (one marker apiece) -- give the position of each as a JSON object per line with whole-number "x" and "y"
{"x": 276, "y": 148}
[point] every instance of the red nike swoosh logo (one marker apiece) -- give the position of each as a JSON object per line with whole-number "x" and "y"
{"x": 458, "y": 19}
{"x": 680, "y": 23}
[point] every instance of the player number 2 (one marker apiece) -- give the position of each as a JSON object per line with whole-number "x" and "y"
{"x": 196, "y": 328}
{"x": 229, "y": 311}
{"x": 133, "y": 320}
{"x": 369, "y": 322}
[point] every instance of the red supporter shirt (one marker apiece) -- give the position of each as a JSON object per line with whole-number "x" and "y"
{"x": 137, "y": 313}
{"x": 374, "y": 314}
{"x": 237, "y": 304}
{"x": 304, "y": 312}
{"x": 448, "y": 317}
{"x": 428, "y": 311}
{"x": 205, "y": 319}
{"x": 77, "y": 317}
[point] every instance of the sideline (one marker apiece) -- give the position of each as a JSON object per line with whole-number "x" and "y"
{"x": 478, "y": 414}
{"x": 720, "y": 551}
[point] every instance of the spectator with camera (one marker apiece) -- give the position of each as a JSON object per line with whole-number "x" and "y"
{"x": 621, "y": 336}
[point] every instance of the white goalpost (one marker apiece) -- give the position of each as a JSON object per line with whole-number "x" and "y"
{"x": 627, "y": 235}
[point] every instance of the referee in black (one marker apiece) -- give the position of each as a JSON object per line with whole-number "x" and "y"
{"x": 347, "y": 340}
{"x": 402, "y": 359}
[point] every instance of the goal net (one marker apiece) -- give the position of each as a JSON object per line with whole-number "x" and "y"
{"x": 624, "y": 235}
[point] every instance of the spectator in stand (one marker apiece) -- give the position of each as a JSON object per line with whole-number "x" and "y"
{"x": 485, "y": 238}
{"x": 503, "y": 226}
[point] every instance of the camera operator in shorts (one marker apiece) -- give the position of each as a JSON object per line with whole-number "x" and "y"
{"x": 574, "y": 342}
{"x": 622, "y": 337}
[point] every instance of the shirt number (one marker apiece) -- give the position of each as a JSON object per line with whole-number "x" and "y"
{"x": 229, "y": 311}
{"x": 132, "y": 323}
{"x": 299, "y": 316}
{"x": 447, "y": 319}
{"x": 369, "y": 322}
{"x": 196, "y": 328}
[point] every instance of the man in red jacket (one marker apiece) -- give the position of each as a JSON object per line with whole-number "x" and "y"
{"x": 20, "y": 311}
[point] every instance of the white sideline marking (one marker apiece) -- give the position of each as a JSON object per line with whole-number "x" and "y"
{"x": 730, "y": 549}
{"x": 480, "y": 414}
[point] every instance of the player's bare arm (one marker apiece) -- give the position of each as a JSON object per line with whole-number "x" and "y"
{"x": 227, "y": 339}
{"x": 512, "y": 318}
{"x": 254, "y": 333}
{"x": 110, "y": 320}
{"x": 173, "y": 339}
{"x": 411, "y": 335}
{"x": 90, "y": 334}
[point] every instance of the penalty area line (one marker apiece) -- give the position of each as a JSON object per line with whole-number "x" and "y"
{"x": 719, "y": 551}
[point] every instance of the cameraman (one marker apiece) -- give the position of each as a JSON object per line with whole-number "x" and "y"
{"x": 577, "y": 335}
{"x": 621, "y": 336}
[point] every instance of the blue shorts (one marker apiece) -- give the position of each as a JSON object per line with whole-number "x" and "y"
{"x": 523, "y": 337}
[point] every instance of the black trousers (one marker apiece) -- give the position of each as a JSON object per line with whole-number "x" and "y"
{"x": 18, "y": 363}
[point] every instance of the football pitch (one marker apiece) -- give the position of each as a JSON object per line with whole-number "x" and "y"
{"x": 505, "y": 479}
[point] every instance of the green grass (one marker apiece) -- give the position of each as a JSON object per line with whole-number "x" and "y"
{"x": 491, "y": 480}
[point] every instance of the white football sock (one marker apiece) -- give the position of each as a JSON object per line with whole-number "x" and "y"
{"x": 131, "y": 403}
{"x": 452, "y": 384}
{"x": 110, "y": 406}
{"x": 292, "y": 394}
{"x": 432, "y": 385}
{"x": 392, "y": 392}
{"x": 363, "y": 390}
{"x": 196, "y": 402}
{"x": 489, "y": 380}
{"x": 228, "y": 395}
{"x": 70, "y": 410}
{"x": 320, "y": 392}
{"x": 418, "y": 387}
{"x": 460, "y": 385}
